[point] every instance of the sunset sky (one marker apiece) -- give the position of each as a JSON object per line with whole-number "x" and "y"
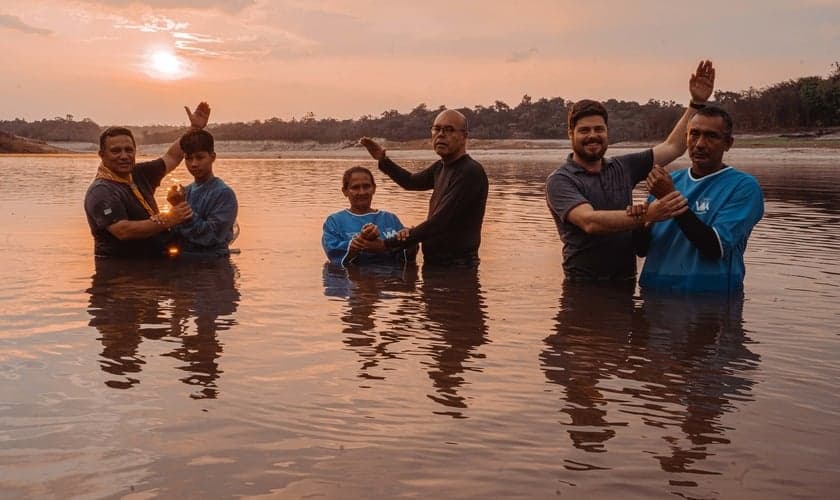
{"x": 136, "y": 62}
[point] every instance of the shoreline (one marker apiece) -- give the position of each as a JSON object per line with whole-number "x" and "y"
{"x": 282, "y": 149}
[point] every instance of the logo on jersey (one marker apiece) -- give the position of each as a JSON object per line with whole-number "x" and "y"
{"x": 701, "y": 206}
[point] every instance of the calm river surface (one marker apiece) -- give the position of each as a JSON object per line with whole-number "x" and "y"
{"x": 271, "y": 375}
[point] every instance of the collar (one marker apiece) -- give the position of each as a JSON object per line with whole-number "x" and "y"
{"x": 577, "y": 168}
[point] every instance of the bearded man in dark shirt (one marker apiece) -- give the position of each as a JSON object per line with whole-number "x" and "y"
{"x": 120, "y": 203}
{"x": 451, "y": 234}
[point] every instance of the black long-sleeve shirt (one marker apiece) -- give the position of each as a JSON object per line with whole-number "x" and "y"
{"x": 452, "y": 230}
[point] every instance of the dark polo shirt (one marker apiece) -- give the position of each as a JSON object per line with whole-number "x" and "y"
{"x": 108, "y": 202}
{"x": 596, "y": 256}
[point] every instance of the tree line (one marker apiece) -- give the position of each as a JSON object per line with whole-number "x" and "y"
{"x": 811, "y": 103}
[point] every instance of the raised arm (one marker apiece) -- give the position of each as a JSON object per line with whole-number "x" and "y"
{"x": 700, "y": 86}
{"x": 419, "y": 181}
{"x": 198, "y": 120}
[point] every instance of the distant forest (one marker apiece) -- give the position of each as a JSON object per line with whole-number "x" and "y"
{"x": 811, "y": 103}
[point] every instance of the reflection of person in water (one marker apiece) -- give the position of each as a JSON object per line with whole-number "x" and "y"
{"x": 128, "y": 305}
{"x": 455, "y": 309}
{"x": 598, "y": 327}
{"x": 364, "y": 287}
{"x": 700, "y": 341}
{"x": 685, "y": 352}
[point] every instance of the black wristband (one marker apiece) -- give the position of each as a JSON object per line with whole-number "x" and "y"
{"x": 696, "y": 105}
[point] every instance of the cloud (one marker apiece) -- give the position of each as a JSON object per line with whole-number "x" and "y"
{"x": 152, "y": 24}
{"x": 16, "y": 23}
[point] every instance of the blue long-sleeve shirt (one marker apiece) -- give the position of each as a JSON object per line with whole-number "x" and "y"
{"x": 210, "y": 229}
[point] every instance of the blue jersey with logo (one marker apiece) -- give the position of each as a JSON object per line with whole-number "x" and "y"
{"x": 728, "y": 201}
{"x": 341, "y": 227}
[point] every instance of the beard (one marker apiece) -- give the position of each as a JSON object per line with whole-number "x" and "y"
{"x": 588, "y": 156}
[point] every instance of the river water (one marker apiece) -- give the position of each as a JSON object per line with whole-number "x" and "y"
{"x": 273, "y": 375}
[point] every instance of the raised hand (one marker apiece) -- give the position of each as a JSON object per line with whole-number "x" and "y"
{"x": 376, "y": 151}
{"x": 702, "y": 82}
{"x": 199, "y": 117}
{"x": 659, "y": 182}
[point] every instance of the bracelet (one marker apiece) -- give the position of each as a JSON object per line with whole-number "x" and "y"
{"x": 696, "y": 105}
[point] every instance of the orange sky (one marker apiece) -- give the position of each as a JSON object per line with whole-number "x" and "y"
{"x": 137, "y": 62}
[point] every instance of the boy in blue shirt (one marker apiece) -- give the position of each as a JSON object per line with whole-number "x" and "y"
{"x": 702, "y": 250}
{"x": 213, "y": 203}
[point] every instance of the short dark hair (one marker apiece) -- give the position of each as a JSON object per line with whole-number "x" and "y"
{"x": 114, "y": 132}
{"x": 195, "y": 141}
{"x": 345, "y": 181}
{"x": 584, "y": 108}
{"x": 713, "y": 111}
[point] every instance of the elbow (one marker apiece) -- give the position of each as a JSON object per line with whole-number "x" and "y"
{"x": 119, "y": 232}
{"x": 590, "y": 227}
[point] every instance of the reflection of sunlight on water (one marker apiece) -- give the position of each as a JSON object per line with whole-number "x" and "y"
{"x": 404, "y": 382}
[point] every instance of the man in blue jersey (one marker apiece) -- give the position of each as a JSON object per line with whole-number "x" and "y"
{"x": 356, "y": 235}
{"x": 703, "y": 249}
{"x": 213, "y": 203}
{"x": 587, "y": 196}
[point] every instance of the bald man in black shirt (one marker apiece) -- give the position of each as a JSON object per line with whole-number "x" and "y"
{"x": 451, "y": 234}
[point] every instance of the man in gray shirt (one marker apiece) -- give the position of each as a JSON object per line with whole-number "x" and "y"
{"x": 589, "y": 195}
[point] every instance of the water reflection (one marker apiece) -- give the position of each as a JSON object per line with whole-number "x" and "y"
{"x": 186, "y": 301}
{"x": 455, "y": 312}
{"x": 445, "y": 317}
{"x": 365, "y": 287}
{"x": 675, "y": 362}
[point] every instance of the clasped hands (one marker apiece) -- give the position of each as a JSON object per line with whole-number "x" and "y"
{"x": 369, "y": 240}
{"x": 669, "y": 202}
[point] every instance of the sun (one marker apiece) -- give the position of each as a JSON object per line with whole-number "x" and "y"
{"x": 163, "y": 64}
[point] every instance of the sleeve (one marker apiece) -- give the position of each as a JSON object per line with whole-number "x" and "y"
{"x": 213, "y": 227}
{"x": 154, "y": 171}
{"x": 466, "y": 190}
{"x": 733, "y": 223}
{"x": 335, "y": 243}
{"x": 699, "y": 234}
{"x": 104, "y": 207}
{"x": 638, "y": 165}
{"x": 421, "y": 181}
{"x": 562, "y": 194}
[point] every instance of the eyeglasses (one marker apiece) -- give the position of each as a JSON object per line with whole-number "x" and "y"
{"x": 448, "y": 129}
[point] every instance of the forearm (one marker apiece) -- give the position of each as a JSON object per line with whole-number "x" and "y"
{"x": 206, "y": 233}
{"x": 607, "y": 221}
{"x": 404, "y": 178}
{"x": 136, "y": 229}
{"x": 700, "y": 235}
{"x": 675, "y": 145}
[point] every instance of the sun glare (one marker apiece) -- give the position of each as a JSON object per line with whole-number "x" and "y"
{"x": 163, "y": 64}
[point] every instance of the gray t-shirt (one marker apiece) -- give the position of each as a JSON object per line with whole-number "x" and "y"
{"x": 596, "y": 256}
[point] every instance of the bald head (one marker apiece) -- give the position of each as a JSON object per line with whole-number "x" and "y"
{"x": 453, "y": 115}
{"x": 449, "y": 135}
